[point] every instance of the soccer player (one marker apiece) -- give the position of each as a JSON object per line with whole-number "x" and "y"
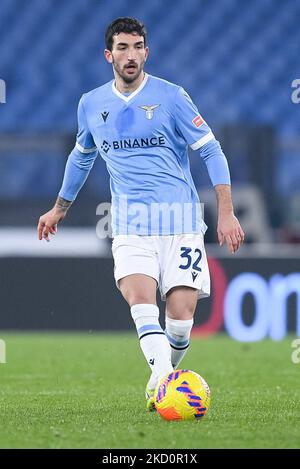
{"x": 142, "y": 127}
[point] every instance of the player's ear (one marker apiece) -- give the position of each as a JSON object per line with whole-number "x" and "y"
{"x": 146, "y": 52}
{"x": 108, "y": 55}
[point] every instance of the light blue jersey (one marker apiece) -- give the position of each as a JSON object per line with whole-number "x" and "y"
{"x": 144, "y": 138}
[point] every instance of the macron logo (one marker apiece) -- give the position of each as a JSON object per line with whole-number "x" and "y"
{"x": 194, "y": 275}
{"x": 104, "y": 115}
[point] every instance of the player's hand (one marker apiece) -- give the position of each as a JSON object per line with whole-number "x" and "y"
{"x": 48, "y": 223}
{"x": 229, "y": 230}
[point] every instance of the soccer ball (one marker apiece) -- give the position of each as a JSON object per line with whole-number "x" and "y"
{"x": 182, "y": 395}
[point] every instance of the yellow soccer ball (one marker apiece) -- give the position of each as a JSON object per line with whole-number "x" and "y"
{"x": 182, "y": 395}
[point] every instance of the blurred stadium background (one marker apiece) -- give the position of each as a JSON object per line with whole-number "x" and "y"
{"x": 238, "y": 64}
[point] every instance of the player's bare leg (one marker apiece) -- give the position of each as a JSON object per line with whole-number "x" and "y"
{"x": 180, "y": 308}
{"x": 139, "y": 291}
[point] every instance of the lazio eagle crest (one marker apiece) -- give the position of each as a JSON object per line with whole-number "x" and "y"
{"x": 149, "y": 110}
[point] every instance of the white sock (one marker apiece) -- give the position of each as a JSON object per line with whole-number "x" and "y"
{"x": 178, "y": 333}
{"x": 153, "y": 341}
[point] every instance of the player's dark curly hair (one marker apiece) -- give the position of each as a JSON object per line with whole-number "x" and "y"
{"x": 124, "y": 25}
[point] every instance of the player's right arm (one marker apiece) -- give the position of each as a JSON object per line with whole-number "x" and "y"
{"x": 79, "y": 164}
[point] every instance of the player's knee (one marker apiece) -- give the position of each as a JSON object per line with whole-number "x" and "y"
{"x": 181, "y": 312}
{"x": 136, "y": 299}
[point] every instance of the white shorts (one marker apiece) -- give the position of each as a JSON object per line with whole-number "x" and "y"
{"x": 171, "y": 260}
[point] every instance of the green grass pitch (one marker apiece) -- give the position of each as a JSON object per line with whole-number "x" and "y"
{"x": 87, "y": 391}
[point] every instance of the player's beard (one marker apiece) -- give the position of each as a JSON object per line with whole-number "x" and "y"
{"x": 122, "y": 72}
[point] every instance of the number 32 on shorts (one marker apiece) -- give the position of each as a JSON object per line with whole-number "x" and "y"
{"x": 191, "y": 258}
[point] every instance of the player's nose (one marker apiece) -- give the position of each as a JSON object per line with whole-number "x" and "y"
{"x": 131, "y": 56}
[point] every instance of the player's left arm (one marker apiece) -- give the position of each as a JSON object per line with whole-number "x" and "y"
{"x": 199, "y": 136}
{"x": 229, "y": 229}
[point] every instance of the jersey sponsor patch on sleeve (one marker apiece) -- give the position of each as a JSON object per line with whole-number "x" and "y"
{"x": 198, "y": 121}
